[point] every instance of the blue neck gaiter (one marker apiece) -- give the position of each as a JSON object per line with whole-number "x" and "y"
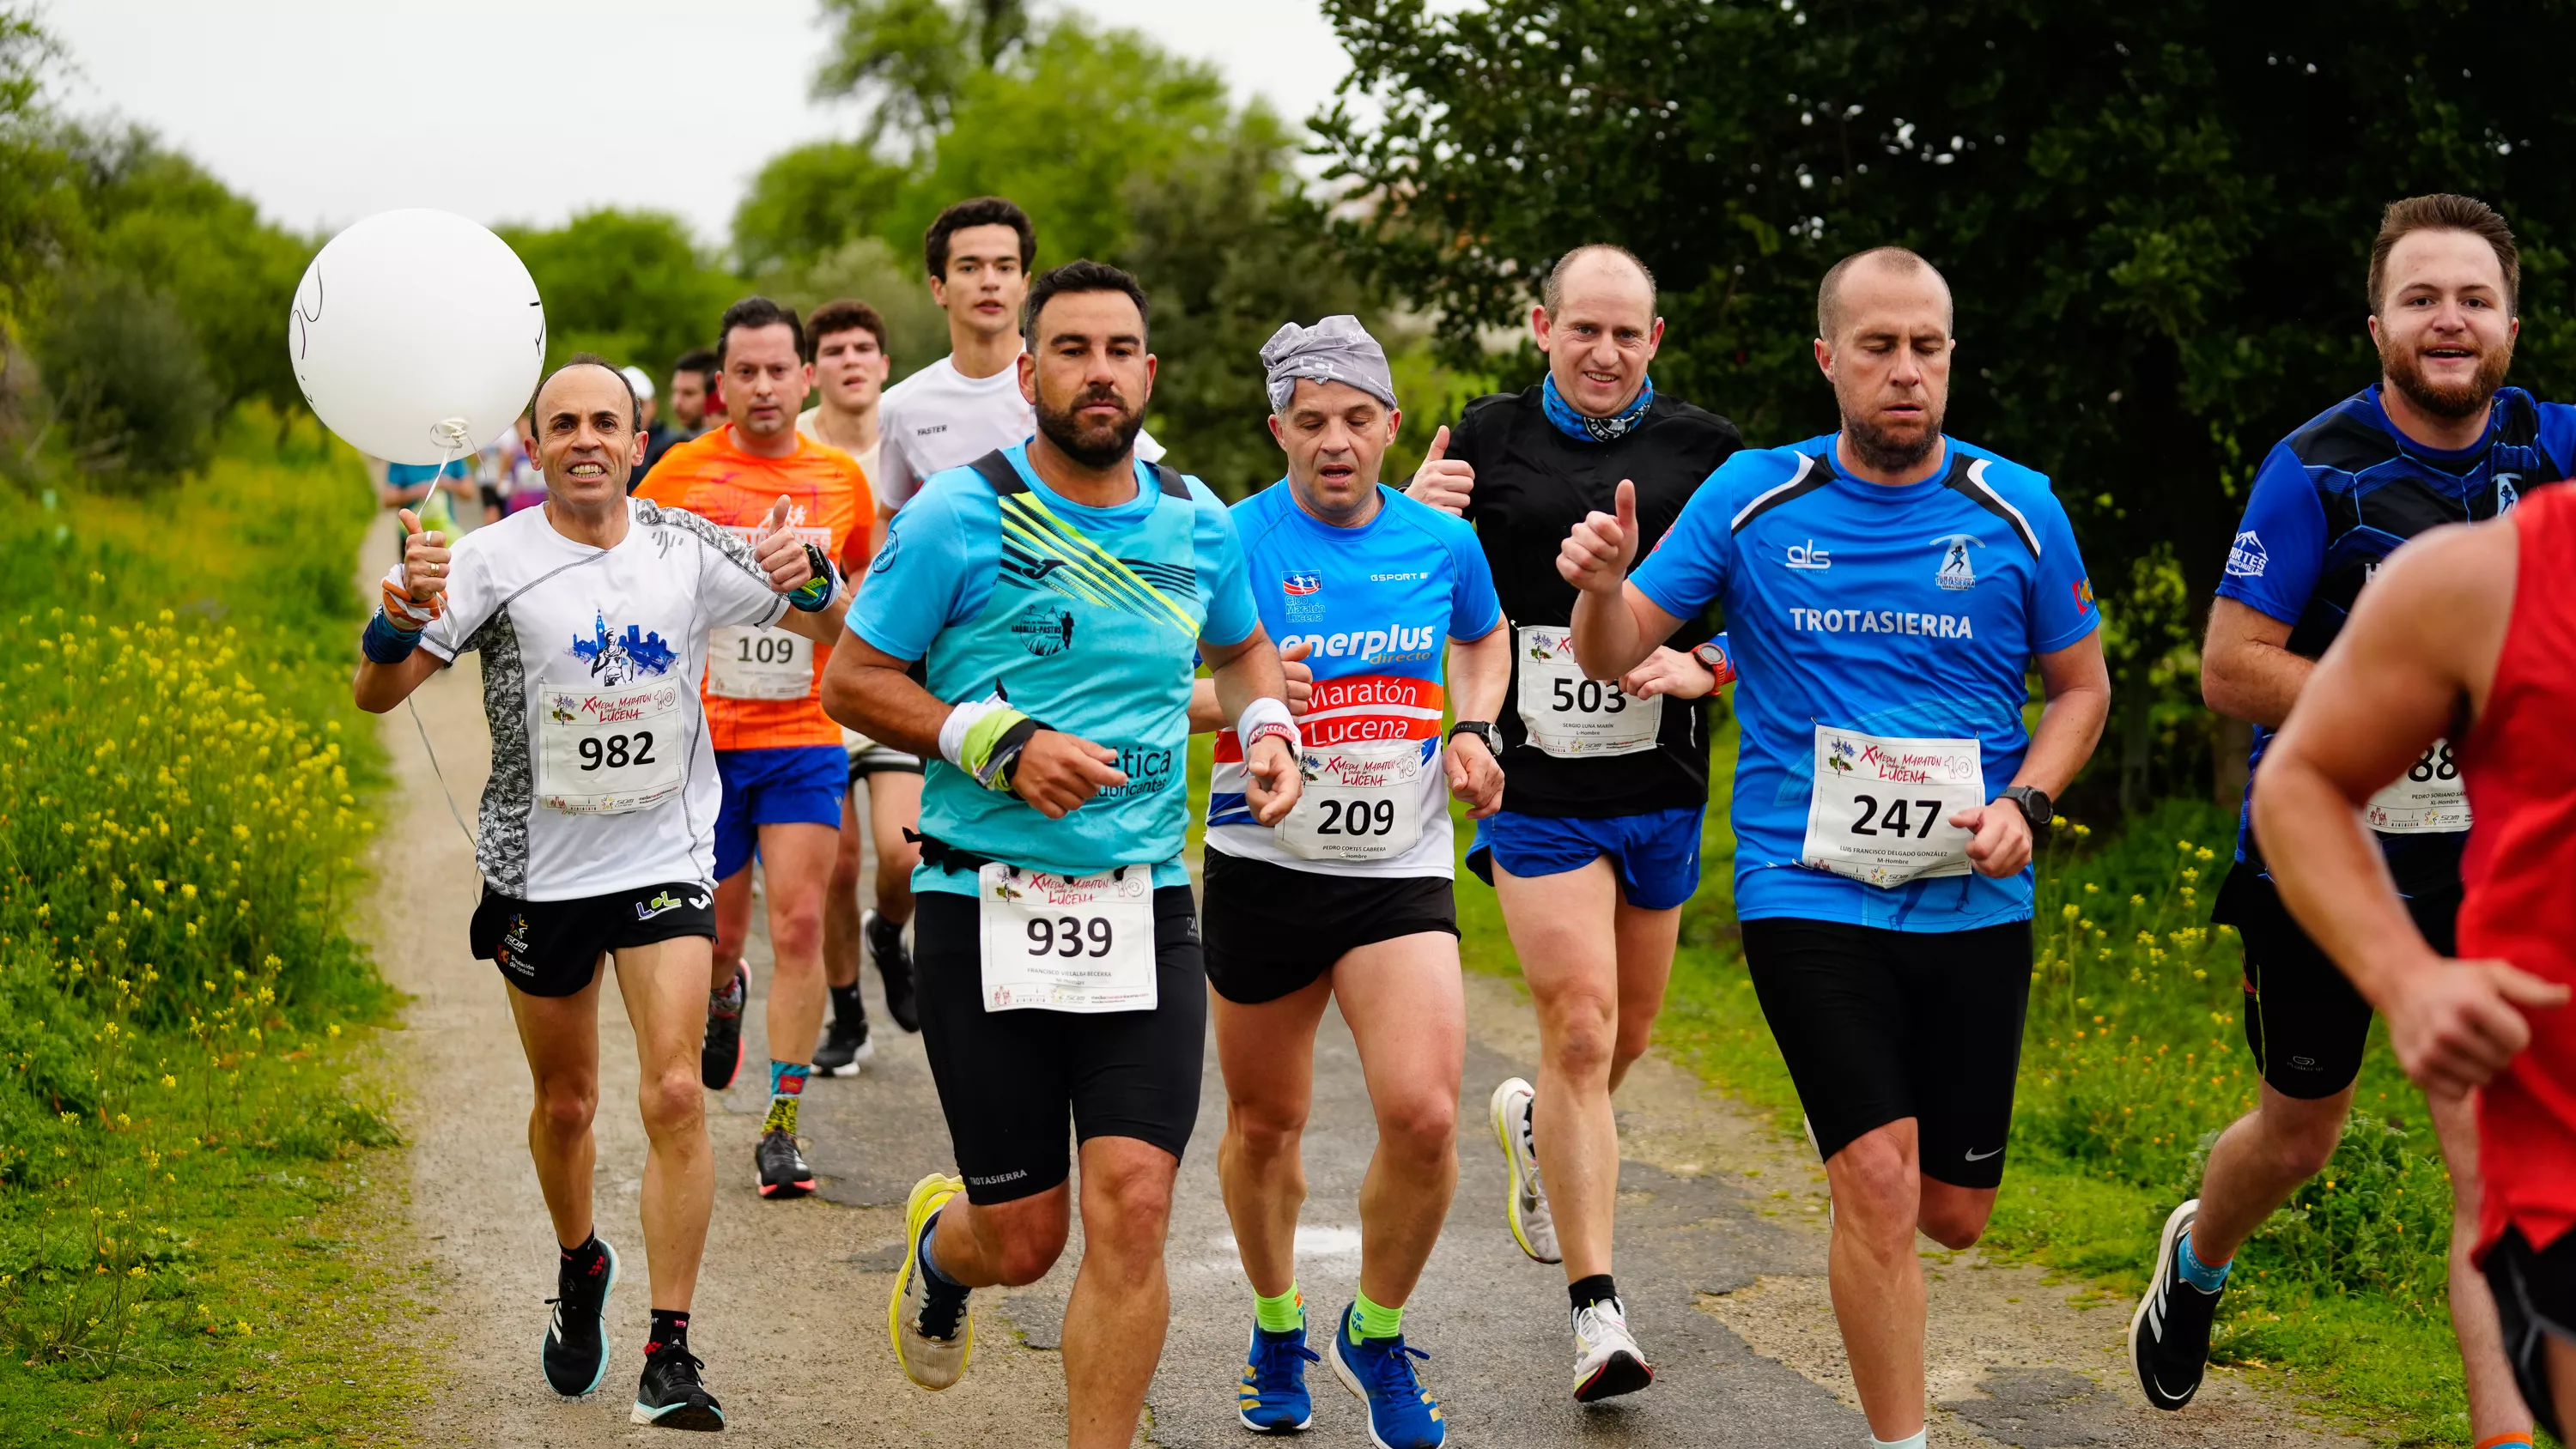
{"x": 1584, "y": 427}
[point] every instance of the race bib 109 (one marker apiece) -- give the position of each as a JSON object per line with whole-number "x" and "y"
{"x": 753, "y": 662}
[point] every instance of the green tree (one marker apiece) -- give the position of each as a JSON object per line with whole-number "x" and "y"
{"x": 631, "y": 286}
{"x": 908, "y": 61}
{"x": 129, "y": 384}
{"x": 2155, "y": 218}
{"x": 810, "y": 199}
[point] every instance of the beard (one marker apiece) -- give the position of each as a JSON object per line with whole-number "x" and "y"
{"x": 1093, "y": 445}
{"x": 1890, "y": 452}
{"x": 2404, "y": 366}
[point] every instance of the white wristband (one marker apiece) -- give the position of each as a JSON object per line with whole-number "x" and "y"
{"x": 1262, "y": 712}
{"x": 952, "y": 730}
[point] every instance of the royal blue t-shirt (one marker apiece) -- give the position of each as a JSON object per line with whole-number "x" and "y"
{"x": 2334, "y": 499}
{"x": 1907, "y": 612}
{"x": 1375, "y": 606}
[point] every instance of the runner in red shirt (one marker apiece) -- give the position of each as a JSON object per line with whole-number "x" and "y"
{"x": 781, "y": 758}
{"x": 2469, "y": 632}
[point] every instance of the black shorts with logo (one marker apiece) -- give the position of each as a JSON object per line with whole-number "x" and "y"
{"x": 1008, "y": 1079}
{"x": 2535, "y": 1296}
{"x": 1877, "y": 1026}
{"x": 1272, "y": 929}
{"x": 2303, "y": 1019}
{"x": 552, "y": 948}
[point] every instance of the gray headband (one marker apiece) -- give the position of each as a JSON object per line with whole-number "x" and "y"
{"x": 1337, "y": 349}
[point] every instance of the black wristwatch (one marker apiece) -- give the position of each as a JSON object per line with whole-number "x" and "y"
{"x": 1483, "y": 730}
{"x": 2036, "y": 808}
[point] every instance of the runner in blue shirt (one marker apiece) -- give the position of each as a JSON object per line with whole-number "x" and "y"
{"x": 1058, "y": 594}
{"x": 1347, "y": 900}
{"x": 1886, "y": 591}
{"x": 2438, "y": 440}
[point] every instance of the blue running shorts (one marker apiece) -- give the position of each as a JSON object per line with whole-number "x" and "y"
{"x": 785, "y": 785}
{"x": 1656, "y": 854}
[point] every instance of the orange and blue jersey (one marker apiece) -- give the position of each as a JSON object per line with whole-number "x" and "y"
{"x": 830, "y": 507}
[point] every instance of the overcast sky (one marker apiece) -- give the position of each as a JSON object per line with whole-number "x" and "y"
{"x": 325, "y": 111}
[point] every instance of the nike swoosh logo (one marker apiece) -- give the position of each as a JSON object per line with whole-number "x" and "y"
{"x": 1982, "y": 1156}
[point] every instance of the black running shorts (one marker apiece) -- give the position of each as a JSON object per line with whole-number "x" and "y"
{"x": 1272, "y": 930}
{"x": 1877, "y": 1026}
{"x": 2305, "y": 1022}
{"x": 552, "y": 948}
{"x": 1007, "y": 1079}
{"x": 2535, "y": 1294}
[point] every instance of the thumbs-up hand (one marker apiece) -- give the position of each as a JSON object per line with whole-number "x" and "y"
{"x": 1444, "y": 482}
{"x": 1597, "y": 553}
{"x": 1301, "y": 676}
{"x": 412, "y": 588}
{"x": 780, "y": 552}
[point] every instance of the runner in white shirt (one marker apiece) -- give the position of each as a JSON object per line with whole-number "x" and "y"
{"x": 848, "y": 340}
{"x": 597, "y": 826}
{"x": 968, "y": 403}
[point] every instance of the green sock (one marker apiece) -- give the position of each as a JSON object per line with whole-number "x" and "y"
{"x": 1283, "y": 1314}
{"x": 1372, "y": 1320}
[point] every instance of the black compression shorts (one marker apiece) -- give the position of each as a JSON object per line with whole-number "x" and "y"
{"x": 552, "y": 948}
{"x": 1877, "y": 1026}
{"x": 1007, "y": 1079}
{"x": 2535, "y": 1294}
{"x": 2305, "y": 1022}
{"x": 1272, "y": 930}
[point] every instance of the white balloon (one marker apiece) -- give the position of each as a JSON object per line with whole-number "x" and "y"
{"x": 417, "y": 335}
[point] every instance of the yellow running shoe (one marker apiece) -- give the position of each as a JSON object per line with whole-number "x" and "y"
{"x": 932, "y": 1326}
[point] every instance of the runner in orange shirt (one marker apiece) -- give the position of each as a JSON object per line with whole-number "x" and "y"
{"x": 780, "y": 757}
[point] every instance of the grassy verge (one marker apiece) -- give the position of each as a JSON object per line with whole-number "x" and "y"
{"x": 192, "y": 1183}
{"x": 2134, "y": 1059}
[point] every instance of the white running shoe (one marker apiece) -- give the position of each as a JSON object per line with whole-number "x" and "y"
{"x": 1607, "y": 1361}
{"x": 1525, "y": 1203}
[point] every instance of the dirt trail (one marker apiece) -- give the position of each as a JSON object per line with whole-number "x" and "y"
{"x": 1725, "y": 1274}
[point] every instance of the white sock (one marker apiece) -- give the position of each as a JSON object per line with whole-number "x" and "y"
{"x": 1919, "y": 1439}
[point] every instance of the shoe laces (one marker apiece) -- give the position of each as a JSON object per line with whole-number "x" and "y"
{"x": 1392, "y": 1365}
{"x": 679, "y": 1368}
{"x": 1274, "y": 1362}
{"x": 1600, "y": 1322}
{"x": 941, "y": 1306}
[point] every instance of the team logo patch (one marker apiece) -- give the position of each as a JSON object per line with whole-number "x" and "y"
{"x": 1304, "y": 589}
{"x": 2507, "y": 495}
{"x": 622, "y": 658}
{"x": 1044, "y": 628}
{"x": 2246, "y": 558}
{"x": 2083, "y": 594}
{"x": 1956, "y": 572}
{"x": 663, "y": 903}
{"x": 1801, "y": 556}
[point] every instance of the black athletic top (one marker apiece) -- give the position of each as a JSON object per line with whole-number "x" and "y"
{"x": 1533, "y": 484}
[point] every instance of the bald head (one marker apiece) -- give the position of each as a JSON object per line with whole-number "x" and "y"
{"x": 1597, "y": 266}
{"x": 1878, "y": 263}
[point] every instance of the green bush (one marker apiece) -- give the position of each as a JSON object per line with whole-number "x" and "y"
{"x": 128, "y": 382}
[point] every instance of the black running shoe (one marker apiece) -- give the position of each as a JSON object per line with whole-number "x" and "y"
{"x": 671, "y": 1397}
{"x": 575, "y": 1350}
{"x": 845, "y": 1048}
{"x": 721, "y": 1057}
{"x": 894, "y": 968}
{"x": 783, "y": 1172}
{"x": 2169, "y": 1337}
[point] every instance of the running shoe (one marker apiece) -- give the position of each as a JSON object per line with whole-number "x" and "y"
{"x": 1273, "y": 1397}
{"x": 932, "y": 1325}
{"x": 1525, "y": 1204}
{"x": 671, "y": 1395}
{"x": 721, "y": 1057}
{"x": 575, "y": 1349}
{"x": 894, "y": 969}
{"x": 2169, "y": 1336}
{"x": 1401, "y": 1412}
{"x": 1607, "y": 1361}
{"x": 845, "y": 1049}
{"x": 783, "y": 1172}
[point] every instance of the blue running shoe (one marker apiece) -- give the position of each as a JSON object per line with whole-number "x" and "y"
{"x": 1402, "y": 1413}
{"x": 1273, "y": 1397}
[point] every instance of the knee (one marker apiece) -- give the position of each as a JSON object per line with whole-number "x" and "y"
{"x": 1583, "y": 1035}
{"x": 1423, "y": 1126}
{"x": 1265, "y": 1132}
{"x": 845, "y": 875}
{"x": 566, "y": 1105}
{"x": 2300, "y": 1149}
{"x": 1128, "y": 1213}
{"x": 672, "y": 1102}
{"x": 1955, "y": 1225}
{"x": 728, "y": 951}
{"x": 1023, "y": 1257}
{"x": 1633, "y": 1038}
{"x": 1878, "y": 1186}
{"x": 796, "y": 933}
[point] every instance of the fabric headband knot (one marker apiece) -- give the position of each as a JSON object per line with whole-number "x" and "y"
{"x": 1337, "y": 349}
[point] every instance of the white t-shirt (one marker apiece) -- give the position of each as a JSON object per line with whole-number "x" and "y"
{"x": 867, "y": 460}
{"x": 602, "y": 775}
{"x": 939, "y": 418}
